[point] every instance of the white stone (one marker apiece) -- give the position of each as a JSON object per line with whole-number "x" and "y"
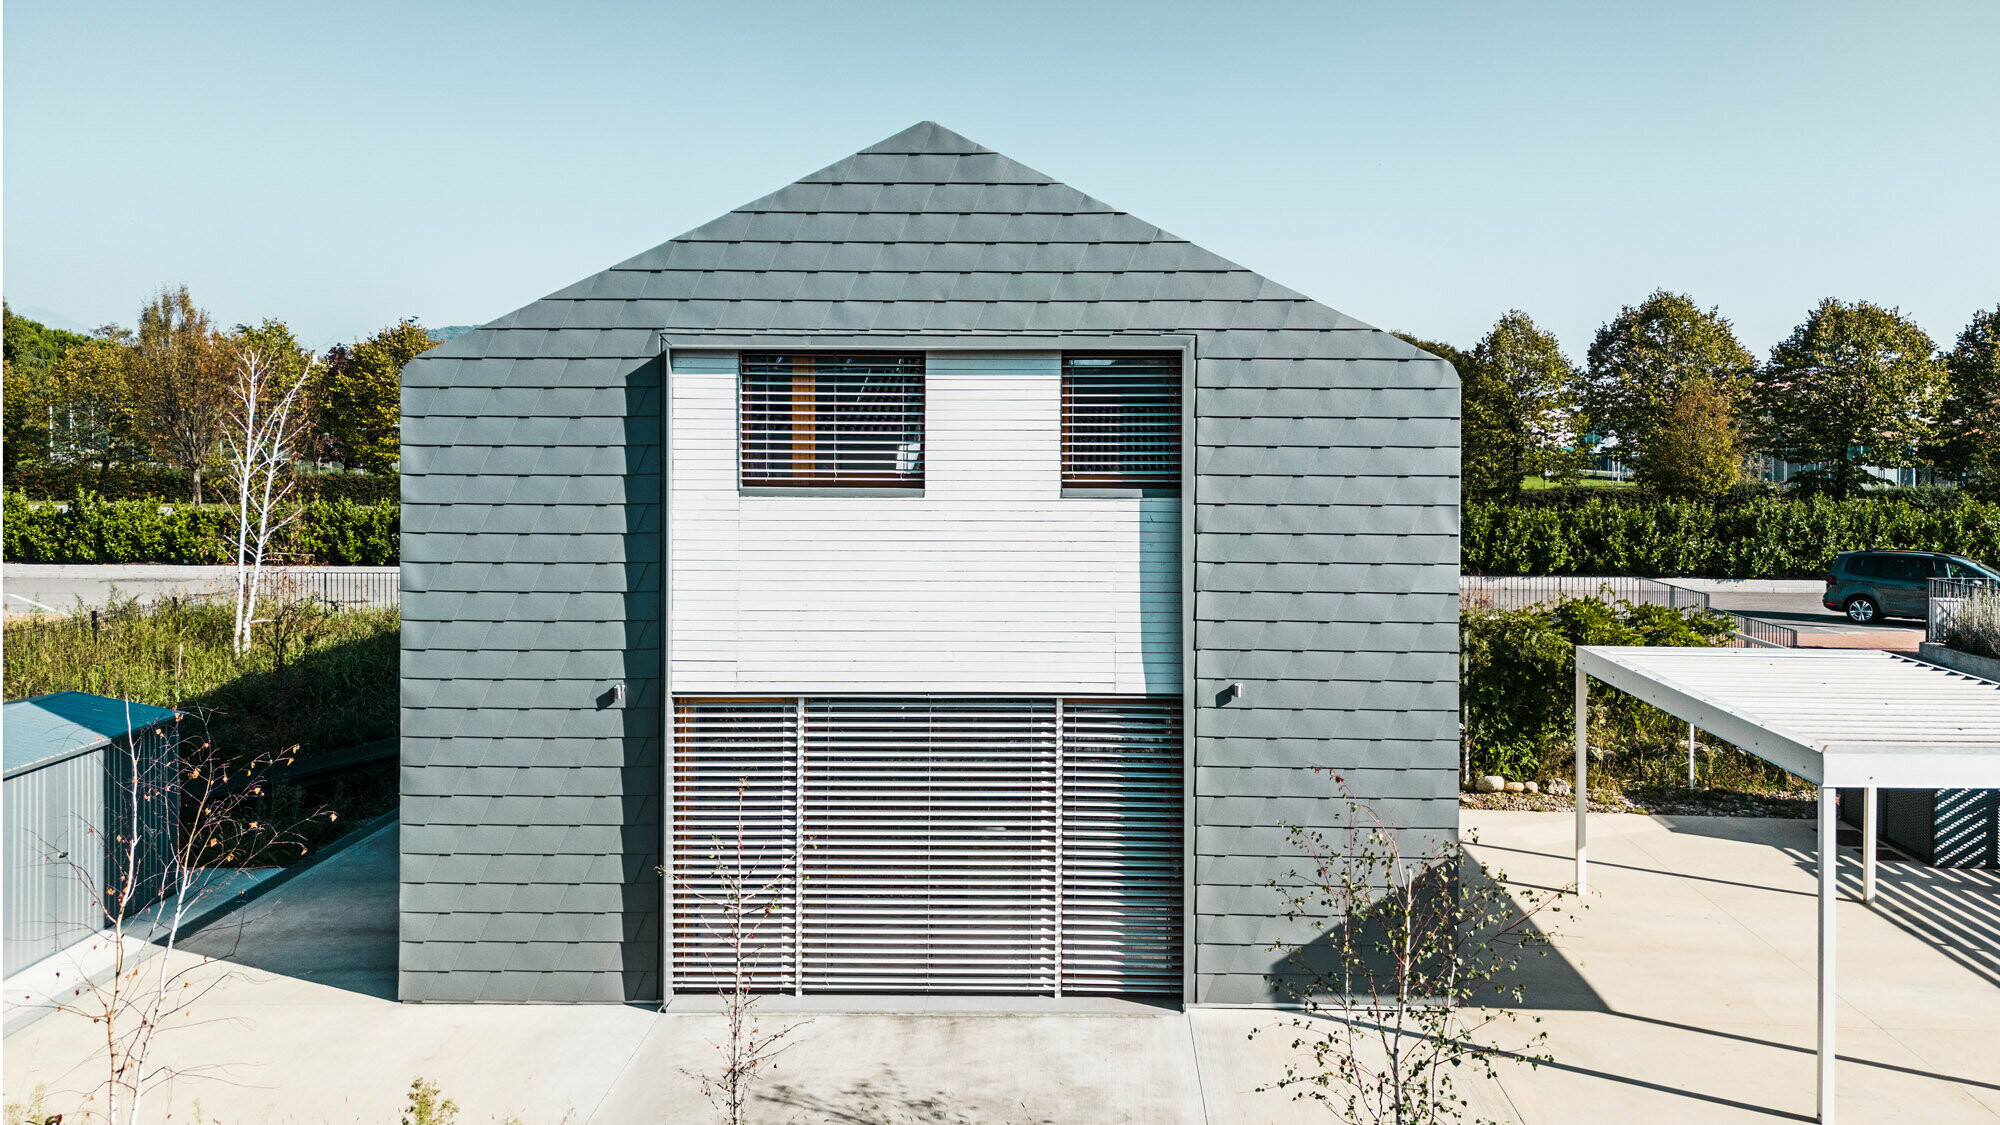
{"x": 1491, "y": 783}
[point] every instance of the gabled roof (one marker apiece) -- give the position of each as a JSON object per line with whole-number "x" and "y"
{"x": 48, "y": 728}
{"x": 926, "y": 232}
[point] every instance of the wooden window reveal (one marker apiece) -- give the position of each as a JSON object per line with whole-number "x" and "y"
{"x": 1121, "y": 420}
{"x": 828, "y": 420}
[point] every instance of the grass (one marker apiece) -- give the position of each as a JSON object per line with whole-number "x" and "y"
{"x": 316, "y": 679}
{"x": 1974, "y": 626}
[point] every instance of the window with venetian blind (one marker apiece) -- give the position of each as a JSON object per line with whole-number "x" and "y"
{"x": 832, "y": 420}
{"x": 1121, "y": 420}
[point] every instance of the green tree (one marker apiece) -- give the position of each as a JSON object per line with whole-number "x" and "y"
{"x": 1526, "y": 402}
{"x": 1646, "y": 355}
{"x": 179, "y": 380}
{"x": 1694, "y": 449}
{"x": 1855, "y": 385}
{"x": 1483, "y": 457}
{"x": 93, "y": 422}
{"x": 1970, "y": 434}
{"x": 357, "y": 404}
{"x": 29, "y": 352}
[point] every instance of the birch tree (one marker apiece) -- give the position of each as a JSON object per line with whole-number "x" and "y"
{"x": 266, "y": 431}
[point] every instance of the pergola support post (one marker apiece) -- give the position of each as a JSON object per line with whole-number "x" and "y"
{"x": 1690, "y": 755}
{"x": 1829, "y": 863}
{"x": 1869, "y": 813}
{"x": 1582, "y": 779}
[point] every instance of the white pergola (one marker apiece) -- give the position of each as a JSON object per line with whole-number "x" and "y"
{"x": 1838, "y": 718}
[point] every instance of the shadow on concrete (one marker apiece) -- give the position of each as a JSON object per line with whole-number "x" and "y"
{"x": 1541, "y": 976}
{"x": 886, "y": 1098}
{"x": 333, "y": 925}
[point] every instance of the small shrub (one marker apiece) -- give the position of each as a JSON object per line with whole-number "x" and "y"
{"x": 1519, "y": 681}
{"x": 425, "y": 1107}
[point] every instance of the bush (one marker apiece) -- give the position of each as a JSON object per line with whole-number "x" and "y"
{"x": 160, "y": 482}
{"x": 1519, "y": 681}
{"x": 1761, "y": 537}
{"x": 90, "y": 529}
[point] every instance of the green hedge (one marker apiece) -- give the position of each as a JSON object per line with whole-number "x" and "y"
{"x": 90, "y": 529}
{"x": 1767, "y": 537}
{"x": 150, "y": 482}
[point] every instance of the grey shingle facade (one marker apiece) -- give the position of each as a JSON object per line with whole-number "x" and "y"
{"x": 1324, "y": 565}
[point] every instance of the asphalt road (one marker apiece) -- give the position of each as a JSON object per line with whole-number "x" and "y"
{"x": 1798, "y": 608}
{"x": 39, "y": 588}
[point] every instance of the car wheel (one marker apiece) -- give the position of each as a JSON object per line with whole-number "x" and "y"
{"x": 1862, "y": 609}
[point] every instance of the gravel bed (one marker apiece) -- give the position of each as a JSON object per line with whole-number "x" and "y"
{"x": 1659, "y": 802}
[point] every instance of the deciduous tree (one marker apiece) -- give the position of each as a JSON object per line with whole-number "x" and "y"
{"x": 1970, "y": 433}
{"x": 1646, "y": 355}
{"x": 357, "y": 401}
{"x": 1855, "y": 385}
{"x": 180, "y": 382}
{"x": 29, "y": 352}
{"x": 1484, "y": 461}
{"x": 91, "y": 421}
{"x": 1526, "y": 400}
{"x": 1694, "y": 448}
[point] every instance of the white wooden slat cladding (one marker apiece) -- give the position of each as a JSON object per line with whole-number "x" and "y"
{"x": 950, "y": 844}
{"x": 987, "y": 579}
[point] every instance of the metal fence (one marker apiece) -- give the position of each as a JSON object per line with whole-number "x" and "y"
{"x": 1948, "y": 597}
{"x": 1477, "y": 591}
{"x": 1526, "y": 592}
{"x": 1752, "y": 632}
{"x": 350, "y": 587}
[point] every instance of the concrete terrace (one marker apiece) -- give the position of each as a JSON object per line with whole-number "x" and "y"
{"x": 1684, "y": 993}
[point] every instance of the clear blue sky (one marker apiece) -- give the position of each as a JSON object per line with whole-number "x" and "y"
{"x": 1423, "y": 166}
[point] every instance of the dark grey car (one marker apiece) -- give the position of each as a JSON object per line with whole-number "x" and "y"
{"x": 1870, "y": 585}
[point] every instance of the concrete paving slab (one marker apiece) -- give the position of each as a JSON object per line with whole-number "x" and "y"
{"x": 1683, "y": 994}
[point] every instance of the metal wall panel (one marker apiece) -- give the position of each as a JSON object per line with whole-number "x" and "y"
{"x": 1323, "y": 465}
{"x": 66, "y": 828}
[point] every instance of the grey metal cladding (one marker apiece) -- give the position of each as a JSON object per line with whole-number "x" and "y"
{"x": 1325, "y": 466}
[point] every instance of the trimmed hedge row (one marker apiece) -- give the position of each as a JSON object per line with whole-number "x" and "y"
{"x": 1771, "y": 537}
{"x": 91, "y": 529}
{"x": 150, "y": 482}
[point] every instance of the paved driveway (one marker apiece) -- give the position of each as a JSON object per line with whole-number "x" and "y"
{"x": 1685, "y": 993}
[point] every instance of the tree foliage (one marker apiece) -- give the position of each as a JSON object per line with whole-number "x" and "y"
{"x": 92, "y": 422}
{"x": 1694, "y": 448}
{"x": 29, "y": 353}
{"x": 1483, "y": 457}
{"x": 1856, "y": 384}
{"x": 1647, "y": 356}
{"x": 179, "y": 382}
{"x": 1522, "y": 413}
{"x": 358, "y": 397}
{"x": 1970, "y": 433}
